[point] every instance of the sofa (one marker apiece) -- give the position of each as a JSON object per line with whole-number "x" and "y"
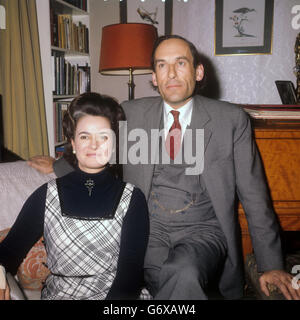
{"x": 17, "y": 182}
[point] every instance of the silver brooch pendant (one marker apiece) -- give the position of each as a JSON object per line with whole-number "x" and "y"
{"x": 90, "y": 185}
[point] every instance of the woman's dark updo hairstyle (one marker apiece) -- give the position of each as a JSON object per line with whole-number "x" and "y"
{"x": 93, "y": 104}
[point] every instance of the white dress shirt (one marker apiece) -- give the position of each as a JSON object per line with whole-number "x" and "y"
{"x": 185, "y": 117}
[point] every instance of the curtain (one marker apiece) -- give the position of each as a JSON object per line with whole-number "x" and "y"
{"x": 21, "y": 83}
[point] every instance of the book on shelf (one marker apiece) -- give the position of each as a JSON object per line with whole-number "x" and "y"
{"x": 85, "y": 78}
{"x": 53, "y": 28}
{"x": 59, "y": 151}
{"x": 66, "y": 34}
{"x": 53, "y": 73}
{"x": 60, "y": 108}
{"x": 69, "y": 79}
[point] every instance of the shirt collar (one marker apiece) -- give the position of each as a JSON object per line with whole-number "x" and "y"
{"x": 185, "y": 112}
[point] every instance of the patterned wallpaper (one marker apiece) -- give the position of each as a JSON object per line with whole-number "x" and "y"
{"x": 240, "y": 79}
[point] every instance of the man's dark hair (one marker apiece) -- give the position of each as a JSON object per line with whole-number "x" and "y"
{"x": 194, "y": 51}
{"x": 195, "y": 54}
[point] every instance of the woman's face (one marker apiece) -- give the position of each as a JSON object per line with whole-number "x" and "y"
{"x": 93, "y": 143}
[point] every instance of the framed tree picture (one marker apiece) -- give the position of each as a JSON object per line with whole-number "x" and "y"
{"x": 243, "y": 27}
{"x": 154, "y": 12}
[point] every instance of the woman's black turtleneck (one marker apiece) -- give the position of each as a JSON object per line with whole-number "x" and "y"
{"x": 76, "y": 201}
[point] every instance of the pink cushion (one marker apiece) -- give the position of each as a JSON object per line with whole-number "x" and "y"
{"x": 32, "y": 272}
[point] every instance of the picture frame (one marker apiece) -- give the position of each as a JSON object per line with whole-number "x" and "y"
{"x": 286, "y": 92}
{"x": 243, "y": 27}
{"x": 155, "y": 12}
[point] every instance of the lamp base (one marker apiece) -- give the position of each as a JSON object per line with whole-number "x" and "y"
{"x": 131, "y": 90}
{"x": 131, "y": 85}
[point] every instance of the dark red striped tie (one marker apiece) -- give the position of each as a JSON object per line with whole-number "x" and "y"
{"x": 173, "y": 140}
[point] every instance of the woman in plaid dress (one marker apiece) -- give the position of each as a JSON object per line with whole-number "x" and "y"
{"x": 95, "y": 226}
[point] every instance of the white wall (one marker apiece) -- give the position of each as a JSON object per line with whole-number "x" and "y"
{"x": 43, "y": 17}
{"x": 240, "y": 79}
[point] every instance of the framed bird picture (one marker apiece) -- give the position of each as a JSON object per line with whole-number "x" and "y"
{"x": 243, "y": 27}
{"x": 155, "y": 12}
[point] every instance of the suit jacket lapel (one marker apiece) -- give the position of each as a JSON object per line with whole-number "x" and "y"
{"x": 200, "y": 120}
{"x": 152, "y": 120}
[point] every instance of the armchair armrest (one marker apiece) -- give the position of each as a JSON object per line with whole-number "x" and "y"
{"x": 16, "y": 293}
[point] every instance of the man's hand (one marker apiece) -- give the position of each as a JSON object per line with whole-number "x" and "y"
{"x": 44, "y": 164}
{"x": 282, "y": 280}
{"x": 5, "y": 293}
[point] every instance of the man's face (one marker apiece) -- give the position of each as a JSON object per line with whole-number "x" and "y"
{"x": 175, "y": 74}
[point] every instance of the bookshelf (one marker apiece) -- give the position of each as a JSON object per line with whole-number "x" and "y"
{"x": 65, "y": 60}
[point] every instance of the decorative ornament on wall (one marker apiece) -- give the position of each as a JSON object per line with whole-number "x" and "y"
{"x": 147, "y": 16}
{"x": 156, "y": 12}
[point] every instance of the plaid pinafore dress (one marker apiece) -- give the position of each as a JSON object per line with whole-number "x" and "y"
{"x": 82, "y": 254}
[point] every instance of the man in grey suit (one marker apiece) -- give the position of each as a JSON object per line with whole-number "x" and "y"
{"x": 194, "y": 232}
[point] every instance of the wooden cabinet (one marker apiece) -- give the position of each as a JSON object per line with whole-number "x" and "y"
{"x": 279, "y": 144}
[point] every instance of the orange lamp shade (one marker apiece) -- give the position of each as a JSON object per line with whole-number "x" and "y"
{"x": 127, "y": 45}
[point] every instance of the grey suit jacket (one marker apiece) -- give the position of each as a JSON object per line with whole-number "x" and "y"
{"x": 232, "y": 166}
